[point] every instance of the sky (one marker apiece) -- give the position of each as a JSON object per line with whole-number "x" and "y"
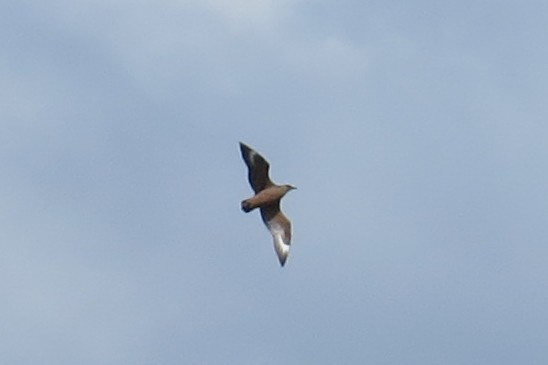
{"x": 416, "y": 133}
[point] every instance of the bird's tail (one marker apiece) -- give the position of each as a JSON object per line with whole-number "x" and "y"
{"x": 246, "y": 206}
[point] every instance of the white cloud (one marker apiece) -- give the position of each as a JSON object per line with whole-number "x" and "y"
{"x": 246, "y": 15}
{"x": 328, "y": 57}
{"x": 218, "y": 46}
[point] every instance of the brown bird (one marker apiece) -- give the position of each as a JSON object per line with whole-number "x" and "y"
{"x": 267, "y": 199}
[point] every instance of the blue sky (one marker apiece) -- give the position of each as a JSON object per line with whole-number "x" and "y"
{"x": 415, "y": 132}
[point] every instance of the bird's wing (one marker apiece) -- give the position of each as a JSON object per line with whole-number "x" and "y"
{"x": 280, "y": 228}
{"x": 257, "y": 168}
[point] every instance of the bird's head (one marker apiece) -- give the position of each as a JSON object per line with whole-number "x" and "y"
{"x": 289, "y": 187}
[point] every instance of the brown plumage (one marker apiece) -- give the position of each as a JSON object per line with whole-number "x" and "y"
{"x": 267, "y": 199}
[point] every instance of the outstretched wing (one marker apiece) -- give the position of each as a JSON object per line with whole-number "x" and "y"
{"x": 257, "y": 168}
{"x": 280, "y": 228}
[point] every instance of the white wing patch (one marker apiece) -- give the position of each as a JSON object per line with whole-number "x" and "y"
{"x": 252, "y": 155}
{"x": 281, "y": 244}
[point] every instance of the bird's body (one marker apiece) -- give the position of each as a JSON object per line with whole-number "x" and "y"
{"x": 267, "y": 199}
{"x": 268, "y": 196}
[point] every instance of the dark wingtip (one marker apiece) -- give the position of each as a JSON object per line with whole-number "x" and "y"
{"x": 244, "y": 148}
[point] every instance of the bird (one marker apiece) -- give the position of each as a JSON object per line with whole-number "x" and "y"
{"x": 267, "y": 198}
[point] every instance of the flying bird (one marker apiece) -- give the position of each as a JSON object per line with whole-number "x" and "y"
{"x": 267, "y": 199}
